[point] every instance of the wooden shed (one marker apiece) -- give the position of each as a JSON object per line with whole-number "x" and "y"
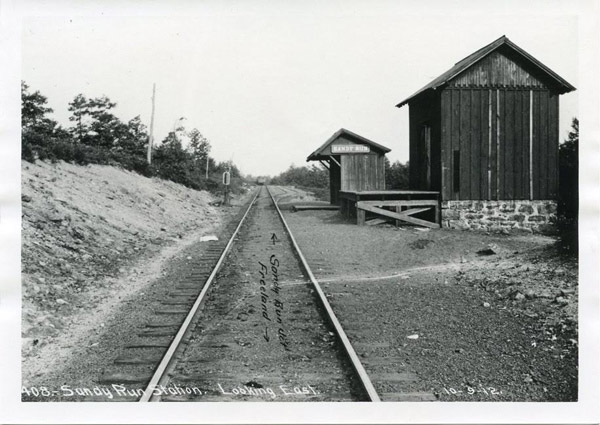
{"x": 487, "y": 129}
{"x": 354, "y": 162}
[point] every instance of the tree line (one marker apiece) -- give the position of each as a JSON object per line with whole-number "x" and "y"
{"x": 316, "y": 178}
{"x": 568, "y": 190}
{"x": 98, "y": 136}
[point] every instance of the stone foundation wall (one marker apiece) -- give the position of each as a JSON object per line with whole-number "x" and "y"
{"x": 501, "y": 216}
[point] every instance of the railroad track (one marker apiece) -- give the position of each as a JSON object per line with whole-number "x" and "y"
{"x": 232, "y": 332}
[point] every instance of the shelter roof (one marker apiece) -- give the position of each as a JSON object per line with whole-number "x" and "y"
{"x": 346, "y": 136}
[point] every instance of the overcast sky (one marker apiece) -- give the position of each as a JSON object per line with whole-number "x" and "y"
{"x": 268, "y": 83}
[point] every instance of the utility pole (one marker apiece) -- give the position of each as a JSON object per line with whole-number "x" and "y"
{"x": 151, "y": 137}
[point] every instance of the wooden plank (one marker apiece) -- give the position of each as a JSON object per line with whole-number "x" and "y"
{"x": 518, "y": 176}
{"x": 360, "y": 216}
{"x": 404, "y": 213}
{"x": 476, "y": 144}
{"x": 490, "y": 117}
{"x": 465, "y": 144}
{"x": 352, "y": 194}
{"x": 445, "y": 141}
{"x": 499, "y": 145}
{"x": 400, "y": 202}
{"x": 376, "y": 221}
{"x": 413, "y": 142}
{"x": 527, "y": 99}
{"x": 493, "y": 155}
{"x": 525, "y": 144}
{"x": 531, "y": 172}
{"x": 509, "y": 137}
{"x": 455, "y": 143}
{"x": 543, "y": 160}
{"x": 553, "y": 141}
{"x": 404, "y": 216}
{"x": 485, "y": 133}
{"x": 381, "y": 160}
{"x": 535, "y": 154}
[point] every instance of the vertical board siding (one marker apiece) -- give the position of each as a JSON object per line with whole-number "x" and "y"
{"x": 345, "y": 183}
{"x": 455, "y": 131}
{"x": 509, "y": 144}
{"x": 436, "y": 152}
{"x": 553, "y": 147}
{"x": 500, "y": 131}
{"x": 518, "y": 176}
{"x": 446, "y": 143}
{"x": 476, "y": 142}
{"x": 465, "y": 144}
{"x": 362, "y": 172}
{"x": 414, "y": 182}
{"x": 543, "y": 145}
{"x": 535, "y": 151}
{"x": 483, "y": 143}
{"x": 504, "y": 122}
{"x": 488, "y": 150}
{"x": 526, "y": 133}
{"x": 494, "y": 157}
{"x": 496, "y": 70}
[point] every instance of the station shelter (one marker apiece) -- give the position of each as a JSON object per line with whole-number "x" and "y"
{"x": 357, "y": 184}
{"x": 355, "y": 163}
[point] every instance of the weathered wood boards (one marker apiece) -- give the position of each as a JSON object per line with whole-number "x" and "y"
{"x": 494, "y": 157}
{"x": 493, "y": 126}
{"x": 358, "y": 203}
{"x": 403, "y": 216}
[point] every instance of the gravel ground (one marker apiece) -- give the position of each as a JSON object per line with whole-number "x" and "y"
{"x": 429, "y": 302}
{"x": 86, "y": 233}
{"x": 87, "y": 348}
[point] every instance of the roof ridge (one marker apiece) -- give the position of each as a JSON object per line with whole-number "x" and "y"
{"x": 480, "y": 54}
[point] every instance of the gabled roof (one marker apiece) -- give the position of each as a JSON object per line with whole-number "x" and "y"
{"x": 563, "y": 85}
{"x": 318, "y": 154}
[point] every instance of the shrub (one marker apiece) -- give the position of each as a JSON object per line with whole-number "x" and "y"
{"x": 568, "y": 191}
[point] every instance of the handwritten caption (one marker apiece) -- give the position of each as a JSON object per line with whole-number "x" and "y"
{"x": 272, "y": 307}
{"x": 469, "y": 390}
{"x": 119, "y": 391}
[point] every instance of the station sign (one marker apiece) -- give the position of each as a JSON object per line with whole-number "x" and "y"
{"x": 226, "y": 178}
{"x": 350, "y": 149}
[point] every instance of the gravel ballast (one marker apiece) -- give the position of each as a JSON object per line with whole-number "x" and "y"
{"x": 445, "y": 304}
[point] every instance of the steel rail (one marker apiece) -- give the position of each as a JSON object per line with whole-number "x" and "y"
{"x": 168, "y": 357}
{"x": 356, "y": 363}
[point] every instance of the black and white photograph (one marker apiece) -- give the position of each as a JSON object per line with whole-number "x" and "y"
{"x": 323, "y": 212}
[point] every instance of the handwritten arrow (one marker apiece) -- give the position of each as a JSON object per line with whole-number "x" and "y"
{"x": 266, "y": 335}
{"x": 274, "y": 238}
